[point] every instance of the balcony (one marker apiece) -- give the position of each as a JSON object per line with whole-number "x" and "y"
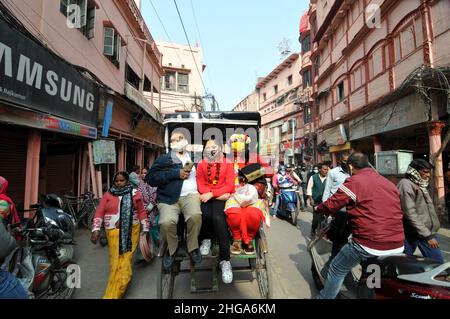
{"x": 138, "y": 98}
{"x": 134, "y": 10}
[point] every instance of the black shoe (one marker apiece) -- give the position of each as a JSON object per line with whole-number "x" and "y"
{"x": 168, "y": 260}
{"x": 196, "y": 256}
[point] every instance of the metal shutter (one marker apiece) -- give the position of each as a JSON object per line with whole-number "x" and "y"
{"x": 60, "y": 177}
{"x": 13, "y": 161}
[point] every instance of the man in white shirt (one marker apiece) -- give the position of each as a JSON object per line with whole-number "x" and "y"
{"x": 175, "y": 177}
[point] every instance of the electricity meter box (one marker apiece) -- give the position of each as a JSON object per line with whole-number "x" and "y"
{"x": 393, "y": 162}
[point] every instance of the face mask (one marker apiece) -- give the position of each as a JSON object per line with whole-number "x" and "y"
{"x": 179, "y": 146}
{"x": 238, "y": 146}
{"x": 316, "y": 171}
{"x": 212, "y": 154}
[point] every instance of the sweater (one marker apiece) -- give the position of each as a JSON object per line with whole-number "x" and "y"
{"x": 373, "y": 207}
{"x": 165, "y": 175}
{"x": 225, "y": 183}
{"x": 108, "y": 212}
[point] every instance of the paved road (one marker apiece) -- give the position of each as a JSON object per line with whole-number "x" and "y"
{"x": 290, "y": 266}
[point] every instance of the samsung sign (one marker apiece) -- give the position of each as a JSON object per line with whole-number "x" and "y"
{"x": 32, "y": 77}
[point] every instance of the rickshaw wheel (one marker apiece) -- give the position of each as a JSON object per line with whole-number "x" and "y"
{"x": 263, "y": 270}
{"x": 166, "y": 280}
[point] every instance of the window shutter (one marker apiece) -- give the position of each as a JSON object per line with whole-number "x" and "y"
{"x": 63, "y": 7}
{"x": 91, "y": 23}
{"x": 83, "y": 12}
{"x": 108, "y": 41}
{"x": 117, "y": 48}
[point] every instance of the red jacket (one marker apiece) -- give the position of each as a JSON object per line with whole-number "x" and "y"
{"x": 108, "y": 211}
{"x": 225, "y": 183}
{"x": 373, "y": 205}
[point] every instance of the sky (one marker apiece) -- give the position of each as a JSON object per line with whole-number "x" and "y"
{"x": 239, "y": 38}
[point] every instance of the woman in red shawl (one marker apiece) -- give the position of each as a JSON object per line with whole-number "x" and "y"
{"x": 8, "y": 211}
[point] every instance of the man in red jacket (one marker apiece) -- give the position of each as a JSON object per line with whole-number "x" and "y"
{"x": 375, "y": 213}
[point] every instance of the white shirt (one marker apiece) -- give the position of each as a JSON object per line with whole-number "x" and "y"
{"x": 376, "y": 252}
{"x": 190, "y": 184}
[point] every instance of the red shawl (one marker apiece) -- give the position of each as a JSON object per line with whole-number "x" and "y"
{"x": 13, "y": 214}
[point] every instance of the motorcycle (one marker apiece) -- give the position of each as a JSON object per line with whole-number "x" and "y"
{"x": 50, "y": 215}
{"x": 37, "y": 262}
{"x": 289, "y": 205}
{"x": 400, "y": 276}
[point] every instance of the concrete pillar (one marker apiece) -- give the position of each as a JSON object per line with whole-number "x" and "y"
{"x": 377, "y": 144}
{"x": 434, "y": 134}
{"x": 140, "y": 156}
{"x": 32, "y": 169}
{"x": 334, "y": 161}
{"x": 121, "y": 157}
{"x": 92, "y": 171}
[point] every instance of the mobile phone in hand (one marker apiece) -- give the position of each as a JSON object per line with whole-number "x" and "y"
{"x": 188, "y": 166}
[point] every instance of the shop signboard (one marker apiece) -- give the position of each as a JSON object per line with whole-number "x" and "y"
{"x": 33, "y": 77}
{"x": 45, "y": 122}
{"x": 104, "y": 152}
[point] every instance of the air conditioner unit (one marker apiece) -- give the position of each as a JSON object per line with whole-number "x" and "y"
{"x": 285, "y": 127}
{"x": 393, "y": 162}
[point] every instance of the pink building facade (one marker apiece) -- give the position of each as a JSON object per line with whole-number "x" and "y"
{"x": 109, "y": 50}
{"x": 280, "y": 116}
{"x": 378, "y": 81}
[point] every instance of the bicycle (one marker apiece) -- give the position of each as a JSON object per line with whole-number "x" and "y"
{"x": 87, "y": 206}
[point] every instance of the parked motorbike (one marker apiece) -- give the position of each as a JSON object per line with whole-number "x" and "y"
{"x": 289, "y": 205}
{"x": 401, "y": 276}
{"x": 50, "y": 215}
{"x": 37, "y": 262}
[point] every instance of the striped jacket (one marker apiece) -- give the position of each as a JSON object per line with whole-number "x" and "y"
{"x": 373, "y": 205}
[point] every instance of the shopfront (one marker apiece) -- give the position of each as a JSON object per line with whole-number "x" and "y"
{"x": 48, "y": 115}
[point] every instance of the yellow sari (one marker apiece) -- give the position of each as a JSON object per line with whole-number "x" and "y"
{"x": 120, "y": 265}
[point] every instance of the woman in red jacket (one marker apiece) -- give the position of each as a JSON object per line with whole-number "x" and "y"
{"x": 121, "y": 210}
{"x": 215, "y": 183}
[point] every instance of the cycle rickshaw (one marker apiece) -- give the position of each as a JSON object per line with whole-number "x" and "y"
{"x": 198, "y": 125}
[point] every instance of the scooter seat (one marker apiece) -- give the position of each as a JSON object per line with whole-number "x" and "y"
{"x": 393, "y": 266}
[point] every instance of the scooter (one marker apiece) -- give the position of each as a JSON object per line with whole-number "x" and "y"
{"x": 400, "y": 276}
{"x": 289, "y": 205}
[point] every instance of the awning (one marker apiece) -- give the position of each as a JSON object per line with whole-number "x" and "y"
{"x": 335, "y": 135}
{"x": 404, "y": 112}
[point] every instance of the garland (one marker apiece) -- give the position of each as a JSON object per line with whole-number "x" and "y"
{"x": 216, "y": 177}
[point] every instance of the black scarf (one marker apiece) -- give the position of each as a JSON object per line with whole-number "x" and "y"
{"x": 126, "y": 216}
